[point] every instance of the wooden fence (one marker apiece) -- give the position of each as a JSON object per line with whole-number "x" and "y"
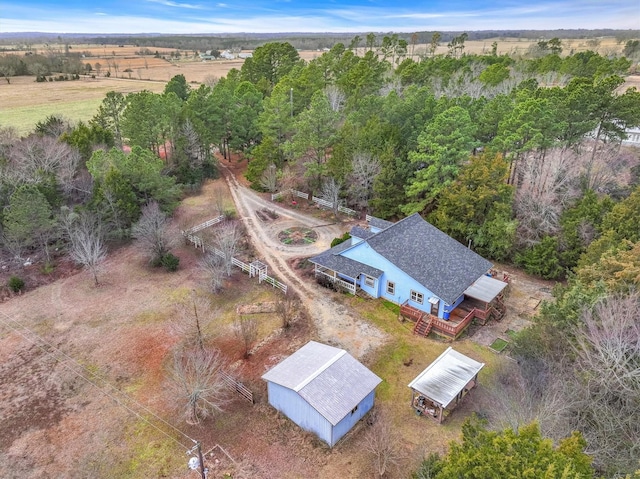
{"x": 262, "y": 276}
{"x": 297, "y": 193}
{"x": 328, "y": 204}
{"x": 206, "y": 224}
{"x": 237, "y": 386}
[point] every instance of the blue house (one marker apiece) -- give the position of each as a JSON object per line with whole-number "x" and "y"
{"x": 322, "y": 389}
{"x": 439, "y": 283}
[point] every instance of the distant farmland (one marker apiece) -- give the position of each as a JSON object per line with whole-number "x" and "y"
{"x": 25, "y": 102}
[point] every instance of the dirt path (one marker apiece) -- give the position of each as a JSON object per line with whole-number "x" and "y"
{"x": 336, "y": 324}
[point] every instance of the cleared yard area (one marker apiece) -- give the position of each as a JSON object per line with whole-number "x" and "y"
{"x": 61, "y": 426}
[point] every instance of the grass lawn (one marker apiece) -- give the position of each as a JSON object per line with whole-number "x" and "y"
{"x": 24, "y": 102}
{"x": 25, "y": 118}
{"x": 401, "y": 360}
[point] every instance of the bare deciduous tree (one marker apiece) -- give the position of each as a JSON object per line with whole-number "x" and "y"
{"x": 269, "y": 178}
{"x": 86, "y": 241}
{"x": 287, "y": 306}
{"x": 33, "y": 158}
{"x": 219, "y": 196}
{"x": 153, "y": 232}
{"x": 194, "y": 146}
{"x": 336, "y": 97}
{"x": 383, "y": 442}
{"x": 607, "y": 382}
{"x": 226, "y": 239}
{"x": 211, "y": 80}
{"x": 288, "y": 179}
{"x": 331, "y": 193}
{"x": 246, "y": 331}
{"x": 197, "y": 383}
{"x": 193, "y": 320}
{"x": 547, "y": 183}
{"x": 213, "y": 267}
{"x": 364, "y": 169}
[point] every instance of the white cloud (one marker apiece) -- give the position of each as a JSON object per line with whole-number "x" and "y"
{"x": 355, "y": 19}
{"x": 169, "y": 3}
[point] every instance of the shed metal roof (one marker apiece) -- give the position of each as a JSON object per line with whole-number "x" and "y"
{"x": 444, "y": 378}
{"x": 485, "y": 289}
{"x": 331, "y": 380}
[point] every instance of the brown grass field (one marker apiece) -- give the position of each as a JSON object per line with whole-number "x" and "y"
{"x": 24, "y": 102}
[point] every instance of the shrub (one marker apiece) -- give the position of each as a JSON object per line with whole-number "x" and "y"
{"x": 170, "y": 262}
{"x": 156, "y": 261}
{"x": 340, "y": 239}
{"x": 15, "y": 284}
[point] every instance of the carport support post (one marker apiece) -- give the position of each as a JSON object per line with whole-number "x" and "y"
{"x": 201, "y": 461}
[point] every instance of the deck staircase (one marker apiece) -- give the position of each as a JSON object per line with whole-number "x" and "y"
{"x": 498, "y": 309}
{"x": 423, "y": 325}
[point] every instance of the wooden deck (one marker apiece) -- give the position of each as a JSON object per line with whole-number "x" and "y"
{"x": 459, "y": 319}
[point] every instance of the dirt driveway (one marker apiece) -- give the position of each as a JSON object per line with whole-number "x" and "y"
{"x": 336, "y": 324}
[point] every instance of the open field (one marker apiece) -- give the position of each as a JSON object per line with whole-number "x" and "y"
{"x": 24, "y": 102}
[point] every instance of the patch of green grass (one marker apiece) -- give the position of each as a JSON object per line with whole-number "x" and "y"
{"x": 394, "y": 308}
{"x": 512, "y": 334}
{"x": 499, "y": 345}
{"x": 24, "y": 118}
{"x": 152, "y": 454}
{"x": 389, "y": 362}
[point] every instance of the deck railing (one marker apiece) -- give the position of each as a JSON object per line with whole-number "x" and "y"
{"x": 454, "y": 330}
{"x": 337, "y": 281}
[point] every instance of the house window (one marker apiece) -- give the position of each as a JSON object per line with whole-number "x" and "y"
{"x": 391, "y": 288}
{"x": 417, "y": 297}
{"x": 369, "y": 281}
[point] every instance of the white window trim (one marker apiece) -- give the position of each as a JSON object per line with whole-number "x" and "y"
{"x": 369, "y": 279}
{"x": 391, "y": 286}
{"x": 419, "y": 297}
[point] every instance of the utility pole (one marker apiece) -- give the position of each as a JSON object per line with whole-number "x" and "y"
{"x": 200, "y": 460}
{"x": 291, "y": 100}
{"x": 203, "y": 473}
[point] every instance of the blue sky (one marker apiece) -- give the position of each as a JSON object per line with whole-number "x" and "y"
{"x": 225, "y": 16}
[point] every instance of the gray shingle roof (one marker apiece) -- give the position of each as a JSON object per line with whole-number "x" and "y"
{"x": 379, "y": 223}
{"x": 331, "y": 259}
{"x": 331, "y": 380}
{"x": 360, "y": 232}
{"x": 431, "y": 257}
{"x": 444, "y": 378}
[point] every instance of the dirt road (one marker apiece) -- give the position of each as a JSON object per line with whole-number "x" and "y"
{"x": 336, "y": 324}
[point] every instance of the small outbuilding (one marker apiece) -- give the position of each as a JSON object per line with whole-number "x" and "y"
{"x": 322, "y": 389}
{"x": 438, "y": 389}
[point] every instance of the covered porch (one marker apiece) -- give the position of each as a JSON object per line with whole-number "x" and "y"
{"x": 486, "y": 298}
{"x": 344, "y": 283}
